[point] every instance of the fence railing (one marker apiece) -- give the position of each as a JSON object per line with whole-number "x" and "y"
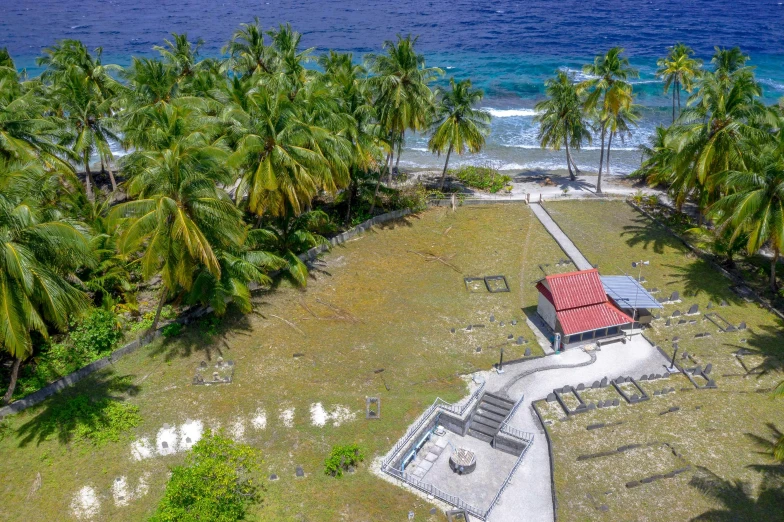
{"x": 439, "y": 403}
{"x": 436, "y": 492}
{"x": 508, "y": 478}
{"x": 514, "y": 432}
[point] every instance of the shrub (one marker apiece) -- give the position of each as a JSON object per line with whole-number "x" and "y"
{"x": 95, "y": 420}
{"x": 482, "y": 178}
{"x": 172, "y": 330}
{"x": 215, "y": 483}
{"x": 341, "y": 458}
{"x": 98, "y": 332}
{"x": 144, "y": 324}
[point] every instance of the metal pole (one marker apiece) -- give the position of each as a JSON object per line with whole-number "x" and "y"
{"x": 672, "y": 364}
{"x": 501, "y": 362}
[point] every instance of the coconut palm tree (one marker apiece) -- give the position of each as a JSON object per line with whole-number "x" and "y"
{"x": 181, "y": 217}
{"x": 289, "y": 235}
{"x": 621, "y": 122}
{"x": 402, "y": 84}
{"x": 88, "y": 123}
{"x": 561, "y": 118}
{"x": 350, "y": 84}
{"x": 68, "y": 55}
{"x": 283, "y": 156}
{"x": 40, "y": 252}
{"x": 608, "y": 92}
{"x": 755, "y": 205}
{"x": 458, "y": 126}
{"x": 182, "y": 55}
{"x": 248, "y": 53}
{"x": 679, "y": 71}
{"x": 724, "y": 116}
{"x": 727, "y": 62}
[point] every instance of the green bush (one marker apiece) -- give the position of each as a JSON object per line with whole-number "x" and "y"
{"x": 216, "y": 483}
{"x": 172, "y": 330}
{"x": 98, "y": 332}
{"x": 341, "y": 458}
{"x": 95, "y": 420}
{"x": 482, "y": 178}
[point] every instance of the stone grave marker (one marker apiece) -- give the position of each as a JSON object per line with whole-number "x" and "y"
{"x": 694, "y": 309}
{"x": 595, "y": 385}
{"x": 299, "y": 472}
{"x": 273, "y": 477}
{"x": 551, "y": 397}
{"x": 616, "y": 402}
{"x": 676, "y": 313}
{"x": 372, "y": 407}
{"x": 742, "y": 325}
{"x": 528, "y": 352}
{"x": 723, "y": 303}
{"x": 708, "y": 368}
{"x": 603, "y": 383}
{"x": 675, "y": 296}
{"x": 492, "y": 318}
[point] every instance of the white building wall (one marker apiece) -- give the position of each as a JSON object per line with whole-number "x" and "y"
{"x": 547, "y": 311}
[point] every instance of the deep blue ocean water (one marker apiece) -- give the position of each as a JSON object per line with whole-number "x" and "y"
{"x": 506, "y": 47}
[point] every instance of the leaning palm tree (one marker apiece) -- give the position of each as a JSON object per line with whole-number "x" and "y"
{"x": 458, "y": 125}
{"x": 727, "y": 62}
{"x": 561, "y": 118}
{"x": 181, "y": 217}
{"x": 755, "y": 205}
{"x": 621, "y": 122}
{"x": 40, "y": 252}
{"x": 679, "y": 71}
{"x": 609, "y": 92}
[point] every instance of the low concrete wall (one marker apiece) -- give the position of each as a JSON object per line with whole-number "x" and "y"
{"x": 507, "y": 444}
{"x": 72, "y": 378}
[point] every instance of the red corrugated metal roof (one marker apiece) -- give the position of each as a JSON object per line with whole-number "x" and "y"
{"x": 592, "y": 317}
{"x": 576, "y": 289}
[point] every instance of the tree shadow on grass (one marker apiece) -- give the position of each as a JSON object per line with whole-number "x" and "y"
{"x": 767, "y": 344}
{"x": 649, "y": 235}
{"x": 699, "y": 277}
{"x": 205, "y": 336}
{"x": 771, "y": 444}
{"x": 88, "y": 404}
{"x": 737, "y": 498}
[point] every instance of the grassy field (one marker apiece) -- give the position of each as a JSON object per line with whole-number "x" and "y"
{"x": 715, "y": 432}
{"x": 382, "y": 300}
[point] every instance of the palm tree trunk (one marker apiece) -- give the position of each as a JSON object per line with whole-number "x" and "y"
{"x": 446, "y": 164}
{"x": 609, "y": 144}
{"x": 378, "y": 182}
{"x": 88, "y": 181}
{"x": 601, "y": 161}
{"x": 773, "y": 263}
{"x": 678, "y": 87}
{"x": 154, "y": 326}
{"x": 12, "y": 384}
{"x": 674, "y": 89}
{"x": 352, "y": 188}
{"x": 397, "y": 160}
{"x": 111, "y": 178}
{"x": 569, "y": 161}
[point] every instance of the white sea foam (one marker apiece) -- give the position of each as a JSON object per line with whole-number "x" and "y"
{"x": 510, "y": 113}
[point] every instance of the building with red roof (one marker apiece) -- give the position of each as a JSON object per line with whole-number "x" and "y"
{"x": 575, "y": 305}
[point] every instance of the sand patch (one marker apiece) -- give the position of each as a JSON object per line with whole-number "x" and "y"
{"x": 142, "y": 449}
{"x": 341, "y": 414}
{"x": 190, "y": 433}
{"x": 318, "y": 415}
{"x": 259, "y": 421}
{"x": 166, "y": 440}
{"x": 85, "y": 504}
{"x": 287, "y": 417}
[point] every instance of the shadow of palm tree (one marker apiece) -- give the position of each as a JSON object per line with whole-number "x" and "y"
{"x": 578, "y": 184}
{"x": 737, "y": 498}
{"x": 769, "y": 445}
{"x": 765, "y": 342}
{"x": 86, "y": 405}
{"x": 649, "y": 235}
{"x": 699, "y": 277}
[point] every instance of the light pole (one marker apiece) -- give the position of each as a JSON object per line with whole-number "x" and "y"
{"x": 637, "y": 264}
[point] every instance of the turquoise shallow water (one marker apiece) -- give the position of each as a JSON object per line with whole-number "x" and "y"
{"x": 506, "y": 47}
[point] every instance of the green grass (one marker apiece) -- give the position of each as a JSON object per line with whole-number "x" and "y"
{"x": 374, "y": 304}
{"x": 715, "y": 431}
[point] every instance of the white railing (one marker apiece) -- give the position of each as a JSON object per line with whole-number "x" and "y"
{"x": 436, "y": 492}
{"x": 508, "y": 478}
{"x": 514, "y": 432}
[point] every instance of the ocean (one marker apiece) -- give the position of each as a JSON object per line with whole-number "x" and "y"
{"x": 507, "y": 47}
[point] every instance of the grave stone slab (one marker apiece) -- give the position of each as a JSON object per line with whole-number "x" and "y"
{"x": 431, "y": 457}
{"x": 603, "y": 383}
{"x": 527, "y": 352}
{"x": 595, "y": 385}
{"x": 299, "y": 472}
{"x": 442, "y": 443}
{"x": 675, "y": 296}
{"x": 723, "y": 303}
{"x": 514, "y": 322}
{"x": 478, "y": 349}
{"x": 551, "y": 397}
{"x": 676, "y": 313}
{"x": 667, "y": 323}
{"x": 492, "y": 318}
{"x": 580, "y": 387}
{"x": 708, "y": 368}
{"x": 616, "y": 402}
{"x": 694, "y": 309}
{"x": 742, "y": 326}
{"x": 273, "y": 477}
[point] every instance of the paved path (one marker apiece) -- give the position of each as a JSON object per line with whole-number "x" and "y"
{"x": 562, "y": 239}
{"x": 529, "y": 497}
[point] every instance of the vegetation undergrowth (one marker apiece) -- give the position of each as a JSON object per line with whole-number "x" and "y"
{"x": 482, "y": 178}
{"x": 95, "y": 420}
{"x": 341, "y": 458}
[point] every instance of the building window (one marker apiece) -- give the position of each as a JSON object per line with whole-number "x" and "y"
{"x": 600, "y": 333}
{"x": 612, "y": 330}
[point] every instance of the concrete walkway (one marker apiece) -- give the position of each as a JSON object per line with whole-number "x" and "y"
{"x": 529, "y": 497}
{"x": 562, "y": 239}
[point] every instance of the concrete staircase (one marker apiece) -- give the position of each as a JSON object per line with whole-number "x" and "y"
{"x": 488, "y": 416}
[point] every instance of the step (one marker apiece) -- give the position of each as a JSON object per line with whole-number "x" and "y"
{"x": 482, "y": 428}
{"x": 497, "y": 410}
{"x": 480, "y": 436}
{"x": 490, "y": 415}
{"x": 495, "y": 400}
{"x": 490, "y": 423}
